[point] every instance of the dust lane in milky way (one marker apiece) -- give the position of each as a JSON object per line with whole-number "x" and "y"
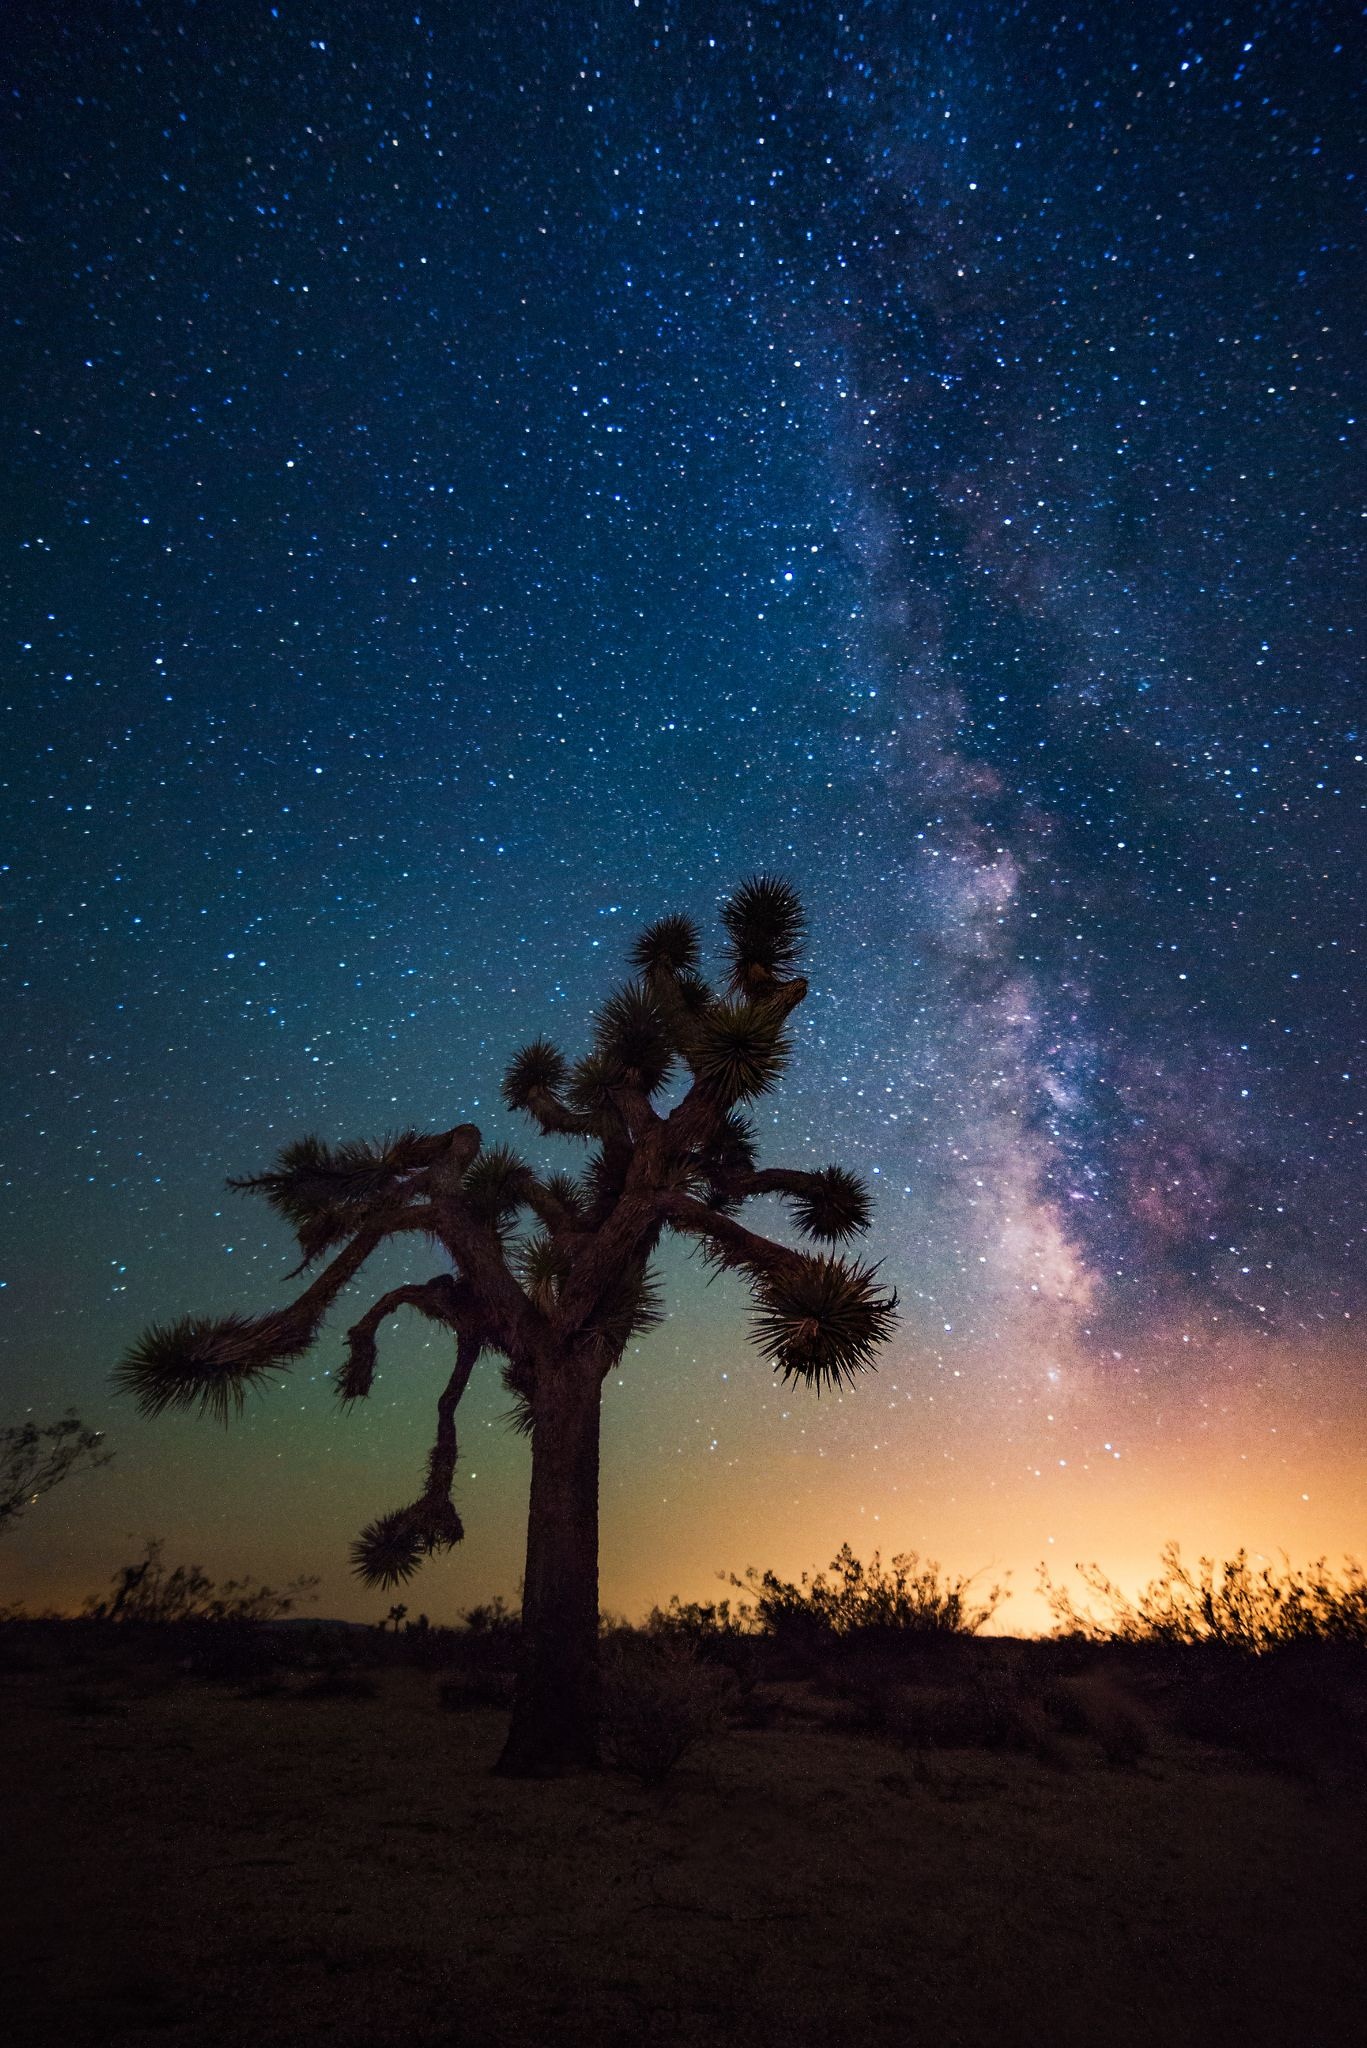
{"x": 478, "y": 484}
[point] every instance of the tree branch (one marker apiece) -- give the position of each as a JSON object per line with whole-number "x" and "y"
{"x": 441, "y": 1464}
{"x": 548, "y": 1208}
{"x": 438, "y": 1299}
{"x": 290, "y": 1330}
{"x": 555, "y": 1117}
{"x": 732, "y": 1242}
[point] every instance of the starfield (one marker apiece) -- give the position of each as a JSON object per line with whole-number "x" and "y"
{"x": 682, "y": 792}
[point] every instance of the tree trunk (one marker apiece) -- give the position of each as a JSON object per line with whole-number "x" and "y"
{"x": 555, "y": 1710}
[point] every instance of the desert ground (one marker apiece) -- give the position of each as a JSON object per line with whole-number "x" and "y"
{"x": 203, "y": 1865}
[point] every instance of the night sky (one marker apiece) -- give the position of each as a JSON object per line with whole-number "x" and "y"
{"x": 481, "y": 477}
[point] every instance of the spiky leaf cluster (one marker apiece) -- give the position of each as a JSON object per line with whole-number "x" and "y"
{"x": 542, "y": 1266}
{"x": 635, "y": 1306}
{"x": 739, "y": 1048}
{"x": 325, "y": 1192}
{"x": 591, "y": 1083}
{"x": 672, "y": 945}
{"x": 835, "y": 1206}
{"x": 565, "y": 1189}
{"x": 520, "y": 1417}
{"x": 201, "y": 1362}
{"x": 766, "y": 926}
{"x": 390, "y": 1549}
{"x": 630, "y": 1038}
{"x": 730, "y": 1151}
{"x": 690, "y": 996}
{"x": 538, "y": 1068}
{"x": 495, "y": 1186}
{"x": 821, "y": 1319}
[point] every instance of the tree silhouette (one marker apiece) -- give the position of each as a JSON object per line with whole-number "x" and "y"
{"x": 553, "y": 1272}
{"x": 34, "y": 1458}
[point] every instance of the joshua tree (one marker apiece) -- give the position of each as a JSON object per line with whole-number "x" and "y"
{"x": 552, "y": 1271}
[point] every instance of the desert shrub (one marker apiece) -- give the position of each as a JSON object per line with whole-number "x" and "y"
{"x": 716, "y": 1634}
{"x": 658, "y": 1700}
{"x": 1093, "y": 1705}
{"x": 906, "y": 1598}
{"x": 152, "y": 1592}
{"x": 1233, "y": 1603}
{"x": 34, "y": 1459}
{"x": 701, "y": 1623}
{"x": 1030, "y": 1729}
{"x": 755, "y": 1707}
{"x": 489, "y": 1637}
{"x": 21, "y": 1644}
{"x": 927, "y": 1717}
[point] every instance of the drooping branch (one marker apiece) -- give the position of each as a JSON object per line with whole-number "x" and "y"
{"x": 438, "y": 1299}
{"x": 441, "y": 1462}
{"x": 392, "y": 1547}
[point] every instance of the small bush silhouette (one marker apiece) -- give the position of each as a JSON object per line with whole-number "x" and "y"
{"x": 34, "y": 1458}
{"x": 151, "y": 1591}
{"x": 1232, "y": 1602}
{"x": 659, "y": 1699}
{"x": 908, "y": 1597}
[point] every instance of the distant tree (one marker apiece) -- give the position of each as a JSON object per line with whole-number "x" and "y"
{"x": 553, "y": 1272}
{"x": 36, "y": 1457}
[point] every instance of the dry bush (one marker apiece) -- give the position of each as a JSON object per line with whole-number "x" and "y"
{"x": 1232, "y": 1603}
{"x": 658, "y": 1700}
{"x": 850, "y": 1600}
{"x": 153, "y": 1593}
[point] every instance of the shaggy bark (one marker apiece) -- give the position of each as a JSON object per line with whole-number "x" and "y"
{"x": 555, "y": 1712}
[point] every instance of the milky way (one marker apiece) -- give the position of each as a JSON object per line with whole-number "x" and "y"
{"x": 480, "y": 478}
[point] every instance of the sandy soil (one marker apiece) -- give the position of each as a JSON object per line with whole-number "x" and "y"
{"x": 201, "y": 1870}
